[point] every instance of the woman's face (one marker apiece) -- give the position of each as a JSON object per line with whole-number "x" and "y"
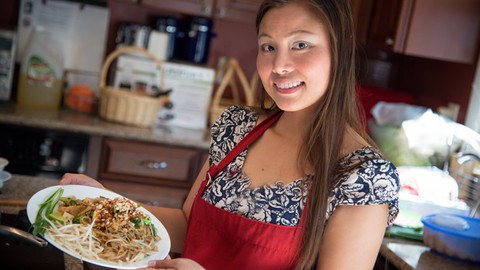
{"x": 293, "y": 58}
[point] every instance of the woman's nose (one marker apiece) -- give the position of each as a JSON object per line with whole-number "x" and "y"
{"x": 282, "y": 63}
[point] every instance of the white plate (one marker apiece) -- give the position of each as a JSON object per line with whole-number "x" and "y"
{"x": 81, "y": 192}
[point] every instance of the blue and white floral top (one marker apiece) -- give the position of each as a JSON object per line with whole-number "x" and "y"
{"x": 373, "y": 182}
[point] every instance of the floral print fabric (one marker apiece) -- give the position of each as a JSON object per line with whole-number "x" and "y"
{"x": 373, "y": 182}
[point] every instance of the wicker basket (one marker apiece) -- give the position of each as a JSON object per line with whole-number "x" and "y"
{"x": 219, "y": 104}
{"x": 121, "y": 105}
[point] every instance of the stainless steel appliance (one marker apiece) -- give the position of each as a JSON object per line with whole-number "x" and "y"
{"x": 169, "y": 26}
{"x": 17, "y": 253}
{"x": 7, "y": 62}
{"x": 39, "y": 152}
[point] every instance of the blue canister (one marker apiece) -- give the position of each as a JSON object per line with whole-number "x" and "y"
{"x": 195, "y": 40}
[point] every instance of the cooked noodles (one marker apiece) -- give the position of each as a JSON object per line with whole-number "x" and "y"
{"x": 113, "y": 230}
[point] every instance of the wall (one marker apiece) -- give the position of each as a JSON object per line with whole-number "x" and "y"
{"x": 233, "y": 39}
{"x": 434, "y": 83}
{"x": 473, "y": 114}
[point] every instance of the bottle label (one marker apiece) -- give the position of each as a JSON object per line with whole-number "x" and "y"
{"x": 39, "y": 72}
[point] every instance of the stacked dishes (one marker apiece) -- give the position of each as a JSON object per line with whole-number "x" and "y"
{"x": 4, "y": 175}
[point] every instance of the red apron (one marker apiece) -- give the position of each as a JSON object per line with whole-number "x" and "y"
{"x": 218, "y": 239}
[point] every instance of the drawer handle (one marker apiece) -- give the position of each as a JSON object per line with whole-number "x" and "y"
{"x": 150, "y": 164}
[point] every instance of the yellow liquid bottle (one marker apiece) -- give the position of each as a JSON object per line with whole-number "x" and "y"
{"x": 41, "y": 72}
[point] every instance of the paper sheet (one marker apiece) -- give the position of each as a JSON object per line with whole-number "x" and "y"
{"x": 81, "y": 29}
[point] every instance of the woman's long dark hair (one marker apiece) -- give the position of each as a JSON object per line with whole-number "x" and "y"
{"x": 337, "y": 110}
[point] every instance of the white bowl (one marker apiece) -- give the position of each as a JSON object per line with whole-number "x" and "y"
{"x": 4, "y": 176}
{"x": 3, "y": 163}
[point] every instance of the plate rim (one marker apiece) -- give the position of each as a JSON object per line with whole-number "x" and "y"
{"x": 43, "y": 194}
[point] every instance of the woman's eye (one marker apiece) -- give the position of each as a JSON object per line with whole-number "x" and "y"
{"x": 300, "y": 45}
{"x": 267, "y": 48}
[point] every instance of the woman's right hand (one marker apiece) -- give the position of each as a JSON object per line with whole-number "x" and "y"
{"x": 79, "y": 179}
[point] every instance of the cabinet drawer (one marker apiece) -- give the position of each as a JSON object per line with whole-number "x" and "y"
{"x": 149, "y": 163}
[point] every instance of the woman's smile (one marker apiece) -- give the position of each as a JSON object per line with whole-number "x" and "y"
{"x": 288, "y": 87}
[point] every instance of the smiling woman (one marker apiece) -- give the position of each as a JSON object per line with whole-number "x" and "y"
{"x": 298, "y": 185}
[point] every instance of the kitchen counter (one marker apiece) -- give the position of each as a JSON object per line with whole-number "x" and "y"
{"x": 70, "y": 121}
{"x": 408, "y": 255}
{"x": 14, "y": 197}
{"x": 402, "y": 254}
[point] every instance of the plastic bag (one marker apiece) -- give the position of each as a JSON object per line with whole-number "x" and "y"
{"x": 395, "y": 113}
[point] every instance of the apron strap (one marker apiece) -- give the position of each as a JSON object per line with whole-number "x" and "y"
{"x": 246, "y": 141}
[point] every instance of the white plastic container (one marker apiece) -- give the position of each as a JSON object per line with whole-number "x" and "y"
{"x": 41, "y": 72}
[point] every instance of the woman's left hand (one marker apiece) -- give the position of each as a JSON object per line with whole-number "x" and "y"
{"x": 174, "y": 264}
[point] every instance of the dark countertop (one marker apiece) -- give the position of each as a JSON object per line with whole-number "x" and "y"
{"x": 70, "y": 121}
{"x": 408, "y": 255}
{"x": 403, "y": 254}
{"x": 14, "y": 196}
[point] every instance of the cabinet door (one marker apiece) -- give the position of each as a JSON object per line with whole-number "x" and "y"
{"x": 191, "y": 7}
{"x": 444, "y": 29}
{"x": 383, "y": 23}
{"x": 237, "y": 10}
{"x": 376, "y": 22}
{"x": 361, "y": 12}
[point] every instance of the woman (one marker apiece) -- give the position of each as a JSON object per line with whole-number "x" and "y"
{"x": 307, "y": 190}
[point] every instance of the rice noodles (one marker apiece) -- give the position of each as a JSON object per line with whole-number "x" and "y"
{"x": 113, "y": 230}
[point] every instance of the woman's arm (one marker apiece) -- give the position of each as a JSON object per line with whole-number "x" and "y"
{"x": 174, "y": 219}
{"x": 352, "y": 237}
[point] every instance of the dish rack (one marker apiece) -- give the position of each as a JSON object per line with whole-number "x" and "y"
{"x": 467, "y": 175}
{"x": 121, "y": 105}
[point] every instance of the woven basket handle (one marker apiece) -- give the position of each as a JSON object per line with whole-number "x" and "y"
{"x": 233, "y": 66}
{"x": 125, "y": 50}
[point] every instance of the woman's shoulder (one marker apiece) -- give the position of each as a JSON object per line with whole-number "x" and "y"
{"x": 362, "y": 154}
{"x": 370, "y": 179}
{"x": 236, "y": 114}
{"x": 367, "y": 165}
{"x": 233, "y": 124}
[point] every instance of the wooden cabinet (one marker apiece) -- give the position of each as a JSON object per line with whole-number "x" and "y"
{"x": 235, "y": 10}
{"x": 190, "y": 7}
{"x": 376, "y": 22}
{"x": 446, "y": 30}
{"x": 438, "y": 29}
{"x": 150, "y": 173}
{"x": 361, "y": 10}
{"x": 441, "y": 29}
{"x": 383, "y": 23}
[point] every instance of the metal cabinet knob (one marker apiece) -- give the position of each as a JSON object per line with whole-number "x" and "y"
{"x": 221, "y": 12}
{"x": 389, "y": 41}
{"x": 157, "y": 165}
{"x": 206, "y": 9}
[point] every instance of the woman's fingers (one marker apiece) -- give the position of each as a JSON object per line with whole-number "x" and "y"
{"x": 79, "y": 179}
{"x": 177, "y": 264}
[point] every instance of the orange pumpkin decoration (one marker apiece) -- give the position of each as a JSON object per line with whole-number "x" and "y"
{"x": 81, "y": 97}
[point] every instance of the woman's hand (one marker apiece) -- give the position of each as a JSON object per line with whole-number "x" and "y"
{"x": 174, "y": 264}
{"x": 79, "y": 179}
